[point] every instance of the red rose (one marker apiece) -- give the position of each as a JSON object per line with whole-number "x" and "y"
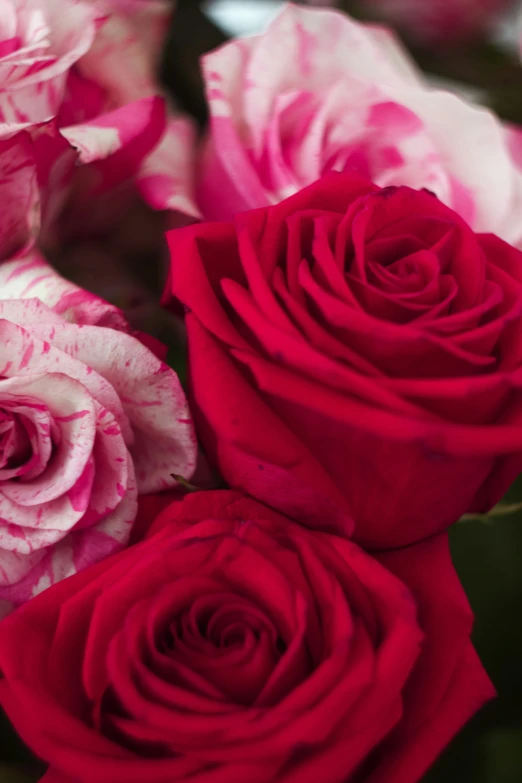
{"x": 234, "y": 646}
{"x": 355, "y": 354}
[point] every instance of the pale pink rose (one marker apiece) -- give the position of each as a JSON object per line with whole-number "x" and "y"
{"x": 89, "y": 418}
{"x": 440, "y": 21}
{"x": 320, "y": 92}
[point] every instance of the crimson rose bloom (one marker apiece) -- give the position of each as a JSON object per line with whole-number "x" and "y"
{"x": 356, "y": 354}
{"x": 234, "y": 646}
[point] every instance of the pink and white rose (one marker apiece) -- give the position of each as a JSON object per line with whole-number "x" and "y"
{"x": 122, "y": 65}
{"x": 40, "y": 41}
{"x": 127, "y": 49}
{"x": 320, "y": 92}
{"x": 89, "y": 418}
{"x": 40, "y": 179}
{"x": 48, "y": 173}
{"x": 87, "y": 68}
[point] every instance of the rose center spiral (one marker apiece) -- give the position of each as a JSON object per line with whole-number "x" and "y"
{"x": 15, "y": 444}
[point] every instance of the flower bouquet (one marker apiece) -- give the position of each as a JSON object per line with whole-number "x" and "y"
{"x": 252, "y": 373}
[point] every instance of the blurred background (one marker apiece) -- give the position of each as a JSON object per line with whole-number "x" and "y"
{"x": 471, "y": 46}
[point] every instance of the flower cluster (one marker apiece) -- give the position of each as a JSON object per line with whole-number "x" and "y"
{"x": 346, "y": 279}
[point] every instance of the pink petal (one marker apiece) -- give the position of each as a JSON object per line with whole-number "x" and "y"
{"x": 79, "y": 549}
{"x": 123, "y": 58}
{"x": 112, "y": 148}
{"x": 34, "y": 80}
{"x": 19, "y": 195}
{"x": 135, "y": 128}
{"x": 149, "y": 20}
{"x": 31, "y": 277}
{"x": 345, "y": 95}
{"x": 165, "y": 178}
{"x": 36, "y": 349}
{"x": 73, "y": 412}
{"x": 152, "y": 399}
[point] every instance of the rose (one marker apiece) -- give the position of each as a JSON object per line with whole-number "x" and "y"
{"x": 354, "y": 352}
{"x": 83, "y": 408}
{"x": 85, "y": 142}
{"x": 439, "y": 22}
{"x": 89, "y": 67}
{"x": 339, "y": 95}
{"x": 37, "y": 168}
{"x": 49, "y": 48}
{"x": 127, "y": 49}
{"x": 40, "y": 40}
{"x": 121, "y": 68}
{"x": 41, "y": 168}
{"x": 33, "y": 170}
{"x": 84, "y": 174}
{"x": 236, "y": 645}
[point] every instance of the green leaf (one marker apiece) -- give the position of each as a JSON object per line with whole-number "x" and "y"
{"x": 503, "y": 755}
{"x": 19, "y": 773}
{"x": 500, "y": 510}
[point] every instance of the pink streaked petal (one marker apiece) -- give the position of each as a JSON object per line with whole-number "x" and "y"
{"x": 74, "y": 414}
{"x": 235, "y": 164}
{"x": 316, "y": 48}
{"x": 488, "y": 178}
{"x": 395, "y": 55}
{"x": 149, "y": 19}
{"x": 138, "y": 125}
{"x": 83, "y": 100}
{"x": 79, "y": 549}
{"x": 165, "y": 178}
{"x": 111, "y": 476}
{"x": 121, "y": 60}
{"x": 31, "y": 277}
{"x": 289, "y": 126}
{"x": 20, "y": 541}
{"x": 25, "y": 312}
{"x": 36, "y": 84}
{"x": 10, "y": 29}
{"x": 152, "y": 398}
{"x": 462, "y": 201}
{"x": 219, "y": 191}
{"x": 14, "y": 566}
{"x": 19, "y": 195}
{"x": 37, "y": 349}
{"x": 55, "y": 166}
{"x": 38, "y": 424}
{"x": 369, "y": 110}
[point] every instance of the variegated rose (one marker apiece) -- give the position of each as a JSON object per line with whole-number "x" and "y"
{"x": 40, "y": 40}
{"x": 89, "y": 417}
{"x": 319, "y": 92}
{"x": 84, "y": 70}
